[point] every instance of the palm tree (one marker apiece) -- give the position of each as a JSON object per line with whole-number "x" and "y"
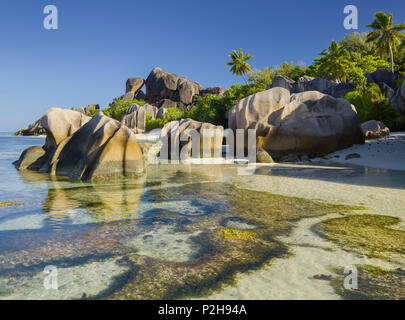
{"x": 334, "y": 62}
{"x": 239, "y": 65}
{"x": 385, "y": 34}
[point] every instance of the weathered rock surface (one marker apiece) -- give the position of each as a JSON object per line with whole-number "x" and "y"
{"x": 165, "y": 85}
{"x": 134, "y": 84}
{"x": 187, "y": 90}
{"x": 374, "y": 129}
{"x": 324, "y": 85}
{"x": 220, "y": 91}
{"x": 180, "y": 134}
{"x": 308, "y": 123}
{"x": 398, "y": 100}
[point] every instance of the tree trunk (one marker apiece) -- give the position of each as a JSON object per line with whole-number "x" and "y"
{"x": 243, "y": 76}
{"x": 392, "y": 57}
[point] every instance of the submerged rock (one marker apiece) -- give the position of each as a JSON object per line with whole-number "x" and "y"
{"x": 32, "y": 158}
{"x": 308, "y": 123}
{"x": 374, "y": 129}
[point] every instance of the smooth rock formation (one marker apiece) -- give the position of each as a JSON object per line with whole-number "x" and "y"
{"x": 398, "y": 100}
{"x": 374, "y": 129}
{"x": 100, "y": 149}
{"x": 180, "y": 134}
{"x": 84, "y": 148}
{"x": 60, "y": 124}
{"x": 308, "y": 123}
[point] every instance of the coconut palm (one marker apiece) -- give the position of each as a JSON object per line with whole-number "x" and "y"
{"x": 334, "y": 62}
{"x": 386, "y": 35}
{"x": 239, "y": 65}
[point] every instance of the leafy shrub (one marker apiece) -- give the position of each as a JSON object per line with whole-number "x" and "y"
{"x": 118, "y": 107}
{"x": 371, "y": 104}
{"x": 173, "y": 114}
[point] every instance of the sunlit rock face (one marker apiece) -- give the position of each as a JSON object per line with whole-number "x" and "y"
{"x": 84, "y": 149}
{"x": 308, "y": 123}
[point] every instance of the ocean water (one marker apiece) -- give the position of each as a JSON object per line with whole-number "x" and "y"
{"x": 182, "y": 231}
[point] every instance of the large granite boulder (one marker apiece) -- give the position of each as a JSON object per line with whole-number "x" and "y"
{"x": 101, "y": 149}
{"x": 374, "y": 129}
{"x": 134, "y": 84}
{"x": 384, "y": 76}
{"x": 308, "y": 123}
{"x": 161, "y": 85}
{"x": 180, "y": 134}
{"x": 187, "y": 90}
{"x": 398, "y": 100}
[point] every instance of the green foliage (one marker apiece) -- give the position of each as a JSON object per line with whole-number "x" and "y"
{"x": 399, "y": 82}
{"x": 371, "y": 104}
{"x": 263, "y": 78}
{"x": 215, "y": 110}
{"x": 118, "y": 107}
{"x": 334, "y": 62}
{"x": 172, "y": 114}
{"x": 93, "y": 111}
{"x": 291, "y": 70}
{"x": 357, "y": 43}
{"x": 239, "y": 65}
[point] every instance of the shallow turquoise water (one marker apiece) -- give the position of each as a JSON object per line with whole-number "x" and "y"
{"x": 99, "y": 235}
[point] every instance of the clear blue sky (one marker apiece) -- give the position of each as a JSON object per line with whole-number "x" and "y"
{"x": 100, "y": 44}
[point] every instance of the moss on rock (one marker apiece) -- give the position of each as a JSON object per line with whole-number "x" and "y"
{"x": 9, "y": 203}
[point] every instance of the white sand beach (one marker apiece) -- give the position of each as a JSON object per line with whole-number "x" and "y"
{"x": 384, "y": 153}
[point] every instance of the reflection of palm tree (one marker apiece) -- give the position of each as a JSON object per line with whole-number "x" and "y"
{"x": 239, "y": 65}
{"x": 334, "y": 62}
{"x": 387, "y": 36}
